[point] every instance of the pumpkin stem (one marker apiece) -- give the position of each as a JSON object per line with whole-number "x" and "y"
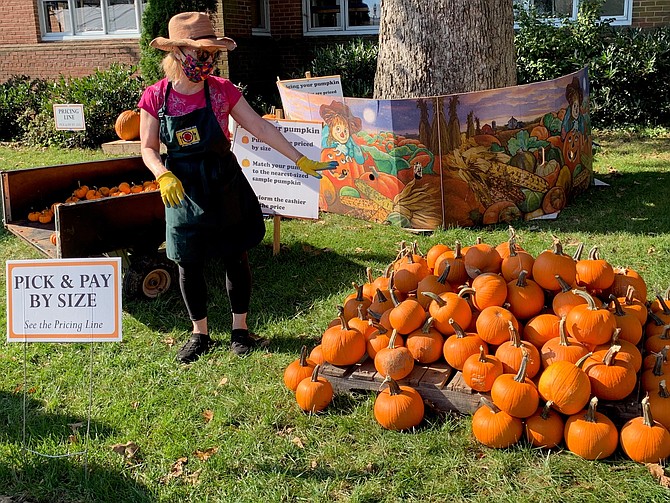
{"x": 630, "y": 295}
{"x": 521, "y": 280}
{"x": 562, "y": 334}
{"x": 557, "y": 247}
{"x": 375, "y": 315}
{"x": 479, "y": 240}
{"x": 482, "y": 354}
{"x": 514, "y": 336}
{"x": 343, "y": 320}
{"x": 647, "y": 418}
{"x": 652, "y": 316}
{"x": 546, "y": 410}
{"x": 618, "y": 310}
{"x": 591, "y": 412}
{"x": 427, "y": 326}
{"x": 608, "y": 359}
{"x": 615, "y": 336}
{"x": 578, "y": 253}
{"x": 440, "y": 301}
{"x": 442, "y": 278}
{"x": 658, "y": 365}
{"x": 381, "y": 298}
{"x": 664, "y": 306}
{"x": 521, "y": 374}
{"x": 564, "y": 286}
{"x": 581, "y": 361}
{"x": 457, "y": 250}
{"x": 380, "y": 328}
{"x": 303, "y": 356}
{"x": 488, "y": 403}
{"x": 315, "y": 372}
{"x": 593, "y": 254}
{"x": 460, "y": 333}
{"x": 368, "y": 273}
{"x": 394, "y": 389}
{"x": 663, "y": 390}
{"x": 589, "y": 299}
{"x": 392, "y": 339}
{"x": 394, "y": 299}
{"x": 361, "y": 315}
{"x": 512, "y": 247}
{"x": 359, "y": 292}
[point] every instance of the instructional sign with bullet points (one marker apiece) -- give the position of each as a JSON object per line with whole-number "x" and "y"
{"x": 282, "y": 188}
{"x": 65, "y": 300}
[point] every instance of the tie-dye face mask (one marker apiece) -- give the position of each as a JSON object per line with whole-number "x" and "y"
{"x": 197, "y": 70}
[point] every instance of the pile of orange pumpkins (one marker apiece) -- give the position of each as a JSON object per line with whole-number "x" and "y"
{"x": 545, "y": 337}
{"x": 86, "y": 193}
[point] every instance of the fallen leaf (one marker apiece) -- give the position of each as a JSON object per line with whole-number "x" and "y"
{"x": 314, "y": 464}
{"x": 127, "y": 450}
{"x": 284, "y": 432}
{"x": 298, "y": 442}
{"x": 208, "y": 415}
{"x": 358, "y": 249}
{"x": 32, "y": 390}
{"x": 223, "y": 381}
{"x": 135, "y": 405}
{"x": 651, "y": 250}
{"x": 206, "y": 454}
{"x": 193, "y": 478}
{"x": 176, "y": 471}
{"x": 169, "y": 341}
{"x": 75, "y": 427}
{"x": 73, "y": 439}
{"x": 658, "y": 473}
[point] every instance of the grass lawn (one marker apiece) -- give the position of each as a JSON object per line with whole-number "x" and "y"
{"x": 226, "y": 429}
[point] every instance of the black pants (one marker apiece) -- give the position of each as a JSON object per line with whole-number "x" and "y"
{"x": 194, "y": 287}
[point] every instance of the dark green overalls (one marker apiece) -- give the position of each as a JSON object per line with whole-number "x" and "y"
{"x": 220, "y": 215}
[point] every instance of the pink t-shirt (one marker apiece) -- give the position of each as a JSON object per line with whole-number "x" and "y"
{"x": 223, "y": 94}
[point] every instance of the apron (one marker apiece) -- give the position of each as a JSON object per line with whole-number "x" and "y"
{"x": 220, "y": 214}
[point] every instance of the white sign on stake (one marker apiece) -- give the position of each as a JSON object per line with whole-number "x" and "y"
{"x": 282, "y": 188}
{"x": 325, "y": 86}
{"x": 69, "y": 117}
{"x": 65, "y": 300}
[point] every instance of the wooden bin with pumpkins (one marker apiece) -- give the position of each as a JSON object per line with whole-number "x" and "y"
{"x": 99, "y": 208}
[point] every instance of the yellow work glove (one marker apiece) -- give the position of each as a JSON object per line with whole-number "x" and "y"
{"x": 172, "y": 191}
{"x": 313, "y": 167}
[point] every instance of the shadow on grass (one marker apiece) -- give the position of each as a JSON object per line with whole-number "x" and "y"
{"x": 38, "y": 478}
{"x": 285, "y": 286}
{"x": 49, "y": 480}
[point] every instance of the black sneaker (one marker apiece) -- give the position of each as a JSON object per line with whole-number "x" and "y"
{"x": 194, "y": 347}
{"x": 242, "y": 342}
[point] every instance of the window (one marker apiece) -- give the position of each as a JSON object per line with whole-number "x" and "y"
{"x": 342, "y": 16}
{"x": 617, "y": 10}
{"x": 66, "y": 19}
{"x": 260, "y": 16}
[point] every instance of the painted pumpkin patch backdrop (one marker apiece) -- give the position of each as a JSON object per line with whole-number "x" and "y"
{"x": 463, "y": 160}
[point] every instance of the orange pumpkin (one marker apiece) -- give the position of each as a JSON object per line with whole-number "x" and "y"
{"x": 645, "y": 440}
{"x": 127, "y": 125}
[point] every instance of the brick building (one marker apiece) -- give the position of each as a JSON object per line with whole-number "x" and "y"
{"x": 47, "y": 38}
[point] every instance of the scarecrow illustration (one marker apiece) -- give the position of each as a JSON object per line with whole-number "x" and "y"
{"x": 574, "y": 119}
{"x": 340, "y": 125}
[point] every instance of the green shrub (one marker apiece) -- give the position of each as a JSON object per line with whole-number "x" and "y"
{"x": 155, "y": 20}
{"x": 627, "y": 66}
{"x": 104, "y": 95}
{"x": 355, "y": 62}
{"x": 18, "y": 94}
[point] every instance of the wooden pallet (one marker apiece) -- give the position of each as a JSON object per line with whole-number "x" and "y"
{"x": 444, "y": 388}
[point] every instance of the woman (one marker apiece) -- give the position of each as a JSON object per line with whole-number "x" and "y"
{"x": 211, "y": 209}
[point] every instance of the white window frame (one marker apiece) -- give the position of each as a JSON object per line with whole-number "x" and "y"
{"x": 311, "y": 31}
{"x": 91, "y": 35}
{"x": 265, "y": 15}
{"x": 624, "y": 20}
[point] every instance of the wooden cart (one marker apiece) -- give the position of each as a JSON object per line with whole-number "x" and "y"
{"x": 130, "y": 226}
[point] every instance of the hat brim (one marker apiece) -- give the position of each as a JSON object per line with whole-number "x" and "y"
{"x": 166, "y": 44}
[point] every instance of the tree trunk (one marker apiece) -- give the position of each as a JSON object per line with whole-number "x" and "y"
{"x": 438, "y": 47}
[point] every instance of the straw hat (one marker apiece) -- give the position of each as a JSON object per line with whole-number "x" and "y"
{"x": 194, "y": 30}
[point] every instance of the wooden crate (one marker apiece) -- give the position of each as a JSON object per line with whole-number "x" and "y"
{"x": 444, "y": 388}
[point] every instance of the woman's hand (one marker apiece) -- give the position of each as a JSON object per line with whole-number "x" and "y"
{"x": 313, "y": 167}
{"x": 172, "y": 191}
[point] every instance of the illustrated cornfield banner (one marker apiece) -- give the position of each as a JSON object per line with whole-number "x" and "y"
{"x": 461, "y": 160}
